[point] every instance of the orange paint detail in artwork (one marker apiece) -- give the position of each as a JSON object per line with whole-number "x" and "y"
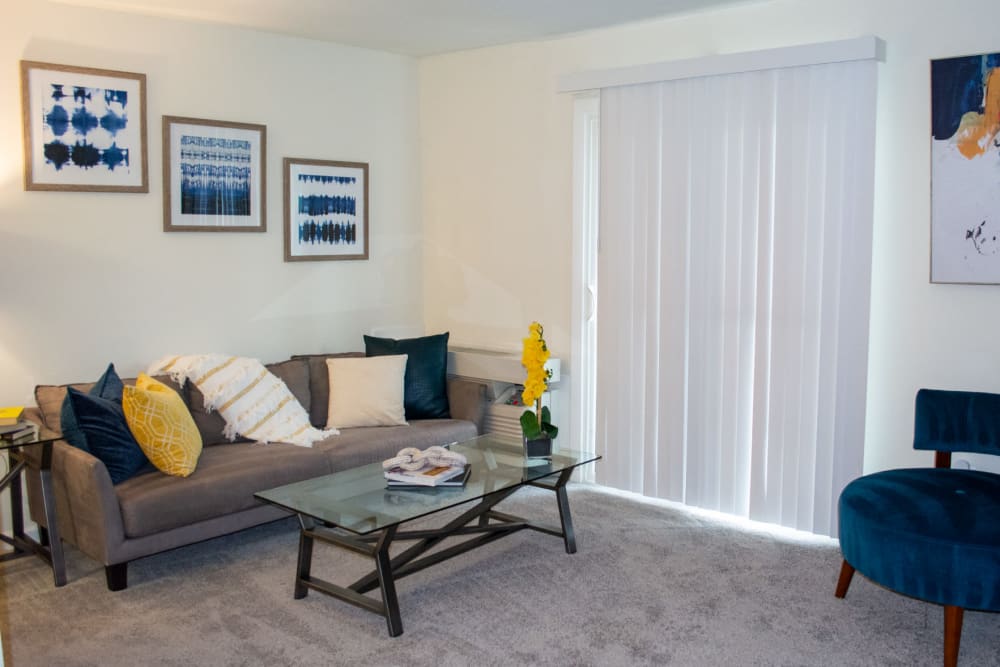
{"x": 976, "y": 131}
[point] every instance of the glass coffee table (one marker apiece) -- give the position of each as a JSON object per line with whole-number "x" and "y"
{"x": 354, "y": 510}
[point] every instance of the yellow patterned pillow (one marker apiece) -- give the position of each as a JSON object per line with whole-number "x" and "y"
{"x": 162, "y": 425}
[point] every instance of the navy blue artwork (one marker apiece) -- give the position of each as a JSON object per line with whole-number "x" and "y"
{"x": 56, "y": 153}
{"x": 112, "y": 123}
{"x": 83, "y": 121}
{"x": 96, "y": 116}
{"x": 323, "y": 178}
{"x": 324, "y": 204}
{"x": 327, "y": 213}
{"x": 58, "y": 120}
{"x": 84, "y": 155}
{"x": 215, "y": 176}
{"x": 328, "y": 232}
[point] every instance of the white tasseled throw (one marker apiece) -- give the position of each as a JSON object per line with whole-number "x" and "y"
{"x": 254, "y": 402}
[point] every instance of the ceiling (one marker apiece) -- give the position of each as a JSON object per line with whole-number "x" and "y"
{"x": 413, "y": 27}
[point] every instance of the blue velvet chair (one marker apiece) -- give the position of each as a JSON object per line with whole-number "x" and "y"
{"x": 932, "y": 533}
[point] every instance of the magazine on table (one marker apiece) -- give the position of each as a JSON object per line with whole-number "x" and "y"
{"x": 449, "y": 476}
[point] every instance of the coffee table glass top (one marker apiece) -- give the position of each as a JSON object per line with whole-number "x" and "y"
{"x": 358, "y": 500}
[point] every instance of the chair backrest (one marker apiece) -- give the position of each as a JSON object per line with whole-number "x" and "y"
{"x": 957, "y": 421}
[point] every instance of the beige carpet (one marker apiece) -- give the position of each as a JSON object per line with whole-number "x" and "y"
{"x": 650, "y": 585}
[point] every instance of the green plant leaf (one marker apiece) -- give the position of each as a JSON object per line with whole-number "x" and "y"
{"x": 529, "y": 425}
{"x": 547, "y": 426}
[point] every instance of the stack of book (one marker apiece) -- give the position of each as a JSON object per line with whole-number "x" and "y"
{"x": 20, "y": 432}
{"x": 439, "y": 476}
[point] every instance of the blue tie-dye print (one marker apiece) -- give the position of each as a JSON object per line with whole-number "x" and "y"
{"x": 215, "y": 176}
{"x": 88, "y": 114}
{"x": 58, "y": 120}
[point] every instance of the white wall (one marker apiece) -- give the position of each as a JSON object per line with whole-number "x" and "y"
{"x": 496, "y": 149}
{"x": 90, "y": 278}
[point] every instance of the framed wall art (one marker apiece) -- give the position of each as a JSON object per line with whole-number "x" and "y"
{"x": 214, "y": 176}
{"x": 965, "y": 169}
{"x": 84, "y": 129}
{"x": 326, "y": 210}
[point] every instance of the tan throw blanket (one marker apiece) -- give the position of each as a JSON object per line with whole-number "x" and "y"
{"x": 254, "y": 402}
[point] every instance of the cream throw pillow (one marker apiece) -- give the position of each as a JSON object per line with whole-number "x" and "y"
{"x": 366, "y": 391}
{"x": 254, "y": 402}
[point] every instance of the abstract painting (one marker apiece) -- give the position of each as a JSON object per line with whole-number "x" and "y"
{"x": 213, "y": 176}
{"x": 965, "y": 169}
{"x": 84, "y": 129}
{"x": 326, "y": 210}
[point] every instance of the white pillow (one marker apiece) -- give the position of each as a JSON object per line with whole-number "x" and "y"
{"x": 366, "y": 391}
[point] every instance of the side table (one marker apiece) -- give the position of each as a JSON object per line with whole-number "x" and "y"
{"x": 49, "y": 545}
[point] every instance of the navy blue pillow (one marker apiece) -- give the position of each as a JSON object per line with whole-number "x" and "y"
{"x": 95, "y": 423}
{"x": 425, "y": 387}
{"x": 108, "y": 386}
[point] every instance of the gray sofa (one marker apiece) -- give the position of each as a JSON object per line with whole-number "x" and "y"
{"x": 153, "y": 512}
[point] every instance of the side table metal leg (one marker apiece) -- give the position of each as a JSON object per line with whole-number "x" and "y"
{"x": 302, "y": 572}
{"x": 55, "y": 542}
{"x": 387, "y": 584}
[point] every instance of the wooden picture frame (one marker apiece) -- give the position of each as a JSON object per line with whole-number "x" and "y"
{"x": 84, "y": 129}
{"x": 326, "y": 210}
{"x": 214, "y": 176}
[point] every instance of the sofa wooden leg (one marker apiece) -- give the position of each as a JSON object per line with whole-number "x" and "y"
{"x": 846, "y": 573}
{"x": 117, "y": 576}
{"x": 952, "y": 634}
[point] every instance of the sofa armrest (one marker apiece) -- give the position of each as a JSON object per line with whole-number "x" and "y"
{"x": 467, "y": 400}
{"x": 87, "y": 507}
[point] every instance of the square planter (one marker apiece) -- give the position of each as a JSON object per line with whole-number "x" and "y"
{"x": 538, "y": 447}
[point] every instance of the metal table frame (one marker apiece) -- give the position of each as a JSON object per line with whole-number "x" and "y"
{"x": 490, "y": 525}
{"x": 48, "y": 547}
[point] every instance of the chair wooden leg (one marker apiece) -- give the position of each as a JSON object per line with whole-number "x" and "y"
{"x": 952, "y": 634}
{"x": 846, "y": 573}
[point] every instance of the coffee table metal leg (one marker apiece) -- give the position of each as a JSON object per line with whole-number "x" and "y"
{"x": 387, "y": 584}
{"x": 569, "y": 538}
{"x": 302, "y": 572}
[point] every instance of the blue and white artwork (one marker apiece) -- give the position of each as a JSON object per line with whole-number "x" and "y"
{"x": 86, "y": 129}
{"x": 215, "y": 176}
{"x": 327, "y": 216}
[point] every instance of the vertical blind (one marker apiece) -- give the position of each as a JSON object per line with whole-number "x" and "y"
{"x": 734, "y": 287}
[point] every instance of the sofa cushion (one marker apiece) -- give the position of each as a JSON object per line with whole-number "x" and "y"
{"x": 366, "y": 391}
{"x": 294, "y": 373}
{"x": 162, "y": 425}
{"x": 99, "y": 428}
{"x": 319, "y": 383}
{"x": 49, "y": 398}
{"x": 360, "y": 446}
{"x": 426, "y": 392}
{"x": 226, "y": 478}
